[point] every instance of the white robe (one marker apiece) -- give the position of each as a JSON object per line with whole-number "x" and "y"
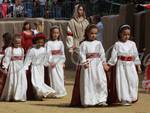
{"x": 126, "y": 74}
{"x": 16, "y": 84}
{"x": 1, "y": 54}
{"x": 93, "y": 82}
{"x": 56, "y": 74}
{"x": 38, "y": 58}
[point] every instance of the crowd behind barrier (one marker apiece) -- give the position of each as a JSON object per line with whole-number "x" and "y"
{"x": 53, "y": 8}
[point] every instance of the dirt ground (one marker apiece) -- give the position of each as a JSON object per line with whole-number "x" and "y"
{"x": 62, "y": 105}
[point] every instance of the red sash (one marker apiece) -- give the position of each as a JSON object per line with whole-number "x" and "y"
{"x": 14, "y": 58}
{"x": 69, "y": 34}
{"x": 92, "y": 55}
{"x": 56, "y": 52}
{"x": 126, "y": 58}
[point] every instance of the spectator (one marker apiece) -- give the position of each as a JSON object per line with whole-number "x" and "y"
{"x": 48, "y": 5}
{"x": 67, "y": 8}
{"x": 26, "y": 36}
{"x": 42, "y": 7}
{"x": 4, "y": 8}
{"x": 37, "y": 27}
{"x": 28, "y": 4}
{"x": 95, "y": 7}
{"x": 18, "y": 9}
{"x": 36, "y": 8}
{"x": 56, "y": 9}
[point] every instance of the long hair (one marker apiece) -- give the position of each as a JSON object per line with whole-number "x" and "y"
{"x": 38, "y": 26}
{"x": 15, "y": 36}
{"x": 6, "y": 2}
{"x": 24, "y": 26}
{"x": 75, "y": 14}
{"x": 7, "y": 38}
{"x": 87, "y": 30}
{"x": 51, "y": 30}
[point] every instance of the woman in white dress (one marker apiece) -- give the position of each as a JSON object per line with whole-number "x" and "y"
{"x": 93, "y": 82}
{"x": 38, "y": 58}
{"x": 55, "y": 49}
{"x": 16, "y": 83}
{"x": 125, "y": 56}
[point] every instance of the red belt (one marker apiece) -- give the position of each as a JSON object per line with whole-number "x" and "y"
{"x": 2, "y": 52}
{"x": 56, "y": 52}
{"x": 126, "y": 58}
{"x": 92, "y": 55}
{"x": 69, "y": 34}
{"x": 16, "y": 58}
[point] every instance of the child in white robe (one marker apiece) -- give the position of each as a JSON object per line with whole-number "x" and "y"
{"x": 37, "y": 57}
{"x": 55, "y": 49}
{"x": 16, "y": 83}
{"x": 93, "y": 82}
{"x": 125, "y": 57}
{"x": 6, "y": 43}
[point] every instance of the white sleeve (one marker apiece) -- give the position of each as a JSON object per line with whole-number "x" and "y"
{"x": 102, "y": 53}
{"x": 48, "y": 51}
{"x": 69, "y": 39}
{"x": 28, "y": 59}
{"x": 136, "y": 55}
{"x": 82, "y": 53}
{"x": 63, "y": 53}
{"x": 7, "y": 57}
{"x": 114, "y": 55}
{"x": 46, "y": 59}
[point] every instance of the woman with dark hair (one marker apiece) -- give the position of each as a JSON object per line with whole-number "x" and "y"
{"x": 27, "y": 36}
{"x": 26, "y": 42}
{"x": 76, "y": 28}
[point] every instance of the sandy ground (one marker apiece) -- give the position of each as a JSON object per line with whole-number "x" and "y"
{"x": 62, "y": 105}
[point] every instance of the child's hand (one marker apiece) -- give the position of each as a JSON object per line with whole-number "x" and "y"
{"x": 86, "y": 65}
{"x": 106, "y": 67}
{"x": 4, "y": 70}
{"x": 139, "y": 70}
{"x": 71, "y": 51}
{"x": 53, "y": 65}
{"x": 64, "y": 66}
